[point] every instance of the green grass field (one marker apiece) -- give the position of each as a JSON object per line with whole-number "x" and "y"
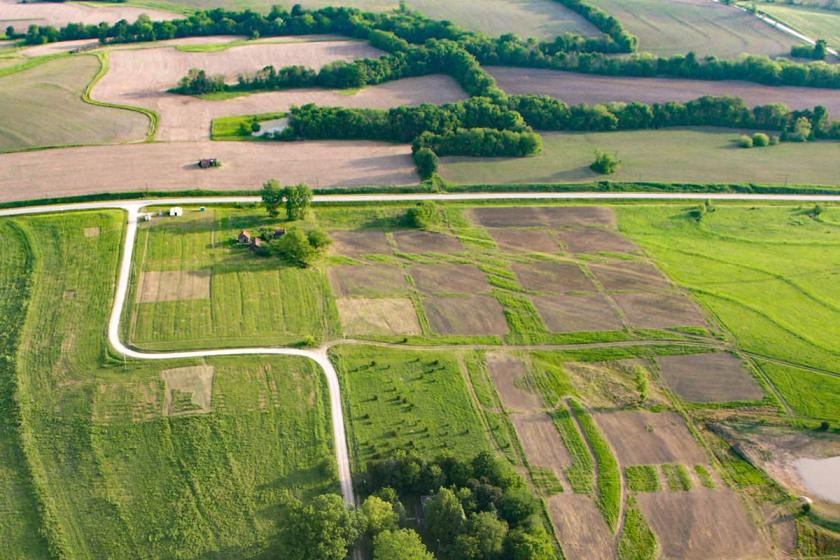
{"x": 117, "y": 476}
{"x": 810, "y": 20}
{"x": 766, "y": 273}
{"x": 230, "y": 128}
{"x": 42, "y": 106}
{"x": 253, "y": 300}
{"x": 703, "y": 155}
{"x": 707, "y": 28}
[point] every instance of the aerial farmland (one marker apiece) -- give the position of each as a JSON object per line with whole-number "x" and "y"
{"x": 479, "y": 280}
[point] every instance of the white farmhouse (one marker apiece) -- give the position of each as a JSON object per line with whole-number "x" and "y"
{"x": 176, "y": 211}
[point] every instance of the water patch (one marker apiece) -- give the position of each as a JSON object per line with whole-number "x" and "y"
{"x": 821, "y": 476}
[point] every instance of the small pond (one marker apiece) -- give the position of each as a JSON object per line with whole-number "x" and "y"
{"x": 272, "y": 126}
{"x": 821, "y": 476}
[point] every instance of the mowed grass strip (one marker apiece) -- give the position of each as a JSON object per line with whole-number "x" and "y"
{"x": 677, "y": 477}
{"x": 637, "y": 541}
{"x": 642, "y": 478}
{"x": 403, "y": 399}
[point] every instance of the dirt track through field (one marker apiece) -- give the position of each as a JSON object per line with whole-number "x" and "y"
{"x": 21, "y": 16}
{"x": 574, "y": 88}
{"x": 142, "y": 78}
{"x": 172, "y": 166}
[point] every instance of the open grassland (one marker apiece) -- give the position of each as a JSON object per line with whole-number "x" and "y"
{"x": 767, "y": 274}
{"x": 119, "y": 473}
{"x": 21, "y": 15}
{"x": 528, "y": 18}
{"x": 702, "y": 26}
{"x": 222, "y": 294}
{"x": 43, "y": 106}
{"x": 693, "y": 155}
{"x": 809, "y": 20}
{"x": 404, "y": 399}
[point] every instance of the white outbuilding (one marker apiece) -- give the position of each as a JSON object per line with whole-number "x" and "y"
{"x": 176, "y": 211}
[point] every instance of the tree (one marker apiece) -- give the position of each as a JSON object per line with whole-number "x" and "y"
{"x": 322, "y": 530}
{"x": 517, "y": 505}
{"x": 298, "y": 200}
{"x": 760, "y": 140}
{"x": 424, "y": 215}
{"x": 404, "y": 544}
{"x": 427, "y": 163}
{"x": 295, "y": 246}
{"x": 483, "y": 539}
{"x": 319, "y": 239}
{"x": 605, "y": 163}
{"x": 535, "y": 544}
{"x": 444, "y": 518}
{"x": 745, "y": 141}
{"x": 272, "y": 197}
{"x": 380, "y": 515}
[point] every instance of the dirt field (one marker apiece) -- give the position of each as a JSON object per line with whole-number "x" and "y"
{"x": 609, "y": 385}
{"x": 173, "y": 286}
{"x": 21, "y": 16}
{"x": 551, "y": 276}
{"x": 553, "y": 216}
{"x": 361, "y": 316}
{"x": 715, "y": 377}
{"x": 360, "y": 242}
{"x": 525, "y": 240}
{"x": 367, "y": 281}
{"x": 577, "y": 313}
{"x": 629, "y": 275}
{"x": 449, "y": 278}
{"x": 245, "y": 165}
{"x": 142, "y": 78}
{"x": 541, "y": 442}
{"x": 646, "y": 310}
{"x": 466, "y": 316}
{"x": 595, "y": 240}
{"x": 417, "y": 241}
{"x": 702, "y": 525}
{"x": 511, "y": 379}
{"x": 581, "y": 528}
{"x": 195, "y": 383}
{"x": 574, "y": 88}
{"x": 646, "y": 438}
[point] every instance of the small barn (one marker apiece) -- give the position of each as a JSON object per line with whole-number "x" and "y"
{"x": 256, "y": 243}
{"x": 244, "y": 237}
{"x": 176, "y": 211}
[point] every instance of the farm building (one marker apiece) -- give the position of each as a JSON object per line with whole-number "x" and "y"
{"x": 176, "y": 211}
{"x": 244, "y": 237}
{"x": 256, "y": 243}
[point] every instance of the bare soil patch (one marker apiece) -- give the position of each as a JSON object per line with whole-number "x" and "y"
{"x": 245, "y": 166}
{"x": 417, "y": 241}
{"x": 21, "y": 16}
{"x": 713, "y": 377}
{"x": 541, "y": 442}
{"x": 474, "y": 315}
{"x": 367, "y": 281}
{"x": 648, "y": 310}
{"x": 382, "y": 316}
{"x": 362, "y": 242}
{"x": 574, "y": 88}
{"x": 702, "y": 525}
{"x": 173, "y": 285}
{"x": 92, "y": 231}
{"x": 555, "y": 216}
{"x": 629, "y": 275}
{"x": 647, "y": 438}
{"x": 449, "y": 278}
{"x": 581, "y": 527}
{"x": 526, "y": 240}
{"x": 512, "y": 382}
{"x": 550, "y": 276}
{"x": 562, "y": 313}
{"x": 189, "y": 390}
{"x": 596, "y": 240}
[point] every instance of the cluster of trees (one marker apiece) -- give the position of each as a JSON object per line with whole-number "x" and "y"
{"x": 624, "y": 40}
{"x": 817, "y": 51}
{"x": 757, "y": 140}
{"x": 547, "y": 113}
{"x": 424, "y": 215}
{"x": 605, "y": 163}
{"x": 480, "y": 142}
{"x": 297, "y": 199}
{"x": 301, "y": 247}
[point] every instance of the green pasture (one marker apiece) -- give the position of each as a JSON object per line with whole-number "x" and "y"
{"x": 679, "y": 155}
{"x": 230, "y": 128}
{"x": 116, "y": 476}
{"x": 809, "y": 20}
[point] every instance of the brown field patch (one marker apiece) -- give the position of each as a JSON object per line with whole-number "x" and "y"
{"x": 361, "y": 242}
{"x": 512, "y": 382}
{"x": 542, "y": 444}
{"x": 647, "y": 438}
{"x": 381, "y": 316}
{"x": 173, "y": 285}
{"x": 574, "y": 88}
{"x": 596, "y": 240}
{"x": 368, "y": 281}
{"x": 92, "y": 231}
{"x": 702, "y": 525}
{"x": 21, "y": 15}
{"x": 611, "y": 384}
{"x": 629, "y": 275}
{"x": 189, "y": 390}
{"x": 550, "y": 276}
{"x": 577, "y": 313}
{"x": 474, "y": 315}
{"x": 647, "y": 310}
{"x": 713, "y": 377}
{"x": 449, "y": 278}
{"x": 581, "y": 527}
{"x": 418, "y": 241}
{"x": 529, "y": 216}
{"x": 527, "y": 240}
{"x": 245, "y": 166}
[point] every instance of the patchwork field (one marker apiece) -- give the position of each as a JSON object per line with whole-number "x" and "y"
{"x": 705, "y": 27}
{"x": 21, "y": 15}
{"x": 43, "y": 106}
{"x": 699, "y": 155}
{"x": 718, "y": 377}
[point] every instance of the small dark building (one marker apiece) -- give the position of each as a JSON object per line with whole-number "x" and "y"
{"x": 279, "y": 232}
{"x": 256, "y": 243}
{"x": 244, "y": 237}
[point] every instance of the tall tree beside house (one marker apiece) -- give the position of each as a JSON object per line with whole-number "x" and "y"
{"x": 272, "y": 197}
{"x": 403, "y": 543}
{"x": 298, "y": 200}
